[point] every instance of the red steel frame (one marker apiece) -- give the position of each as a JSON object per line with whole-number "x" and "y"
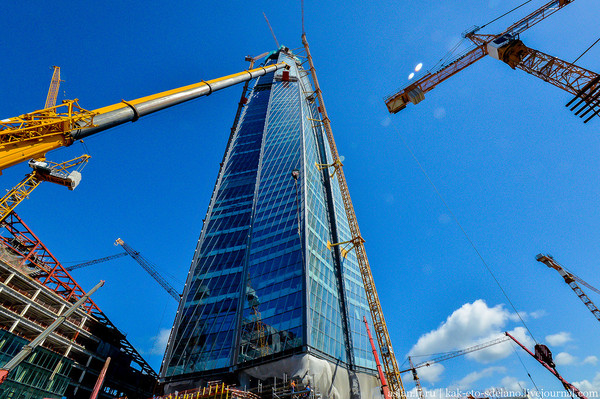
{"x": 19, "y": 238}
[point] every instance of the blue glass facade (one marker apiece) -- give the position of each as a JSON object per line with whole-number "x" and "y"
{"x": 263, "y": 283}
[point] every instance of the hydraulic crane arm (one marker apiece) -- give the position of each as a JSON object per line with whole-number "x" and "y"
{"x": 570, "y": 280}
{"x": 415, "y": 92}
{"x": 32, "y": 135}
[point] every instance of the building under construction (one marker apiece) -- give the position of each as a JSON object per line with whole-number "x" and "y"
{"x": 275, "y": 288}
{"x": 34, "y": 290}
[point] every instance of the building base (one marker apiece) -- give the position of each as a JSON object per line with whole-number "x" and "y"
{"x": 329, "y": 379}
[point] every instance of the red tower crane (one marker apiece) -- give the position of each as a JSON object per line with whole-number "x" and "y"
{"x": 505, "y": 47}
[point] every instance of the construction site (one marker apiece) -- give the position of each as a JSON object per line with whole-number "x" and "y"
{"x": 210, "y": 205}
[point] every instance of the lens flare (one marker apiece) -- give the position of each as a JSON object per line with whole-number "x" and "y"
{"x": 412, "y": 75}
{"x": 418, "y": 67}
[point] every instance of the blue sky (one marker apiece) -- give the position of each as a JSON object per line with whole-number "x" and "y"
{"x": 517, "y": 169}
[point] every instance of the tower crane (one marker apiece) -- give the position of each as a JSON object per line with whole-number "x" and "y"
{"x": 66, "y": 174}
{"x": 148, "y": 267}
{"x": 384, "y": 341}
{"x": 449, "y": 355}
{"x": 505, "y": 47}
{"x": 33, "y": 134}
{"x": 571, "y": 280}
{"x": 456, "y": 353}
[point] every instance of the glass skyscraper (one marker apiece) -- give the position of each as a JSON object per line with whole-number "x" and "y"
{"x": 266, "y": 295}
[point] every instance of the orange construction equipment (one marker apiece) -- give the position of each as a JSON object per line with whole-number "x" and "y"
{"x": 505, "y": 47}
{"x": 571, "y": 279}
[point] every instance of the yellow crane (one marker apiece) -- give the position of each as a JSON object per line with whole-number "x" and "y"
{"x": 66, "y": 174}
{"x": 53, "y": 90}
{"x": 357, "y": 243}
{"x": 33, "y": 134}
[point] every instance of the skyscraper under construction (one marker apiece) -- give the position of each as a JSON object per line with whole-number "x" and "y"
{"x": 267, "y": 294}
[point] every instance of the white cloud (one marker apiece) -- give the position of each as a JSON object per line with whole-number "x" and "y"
{"x": 431, "y": 373}
{"x": 564, "y": 359}
{"x": 559, "y": 339}
{"x": 160, "y": 342}
{"x": 590, "y": 360}
{"x": 538, "y": 314}
{"x": 468, "y": 381}
{"x": 512, "y": 384}
{"x": 473, "y": 324}
{"x": 463, "y": 328}
{"x": 500, "y": 351}
{"x": 587, "y": 386}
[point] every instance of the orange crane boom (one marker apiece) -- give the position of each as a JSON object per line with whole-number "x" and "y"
{"x": 485, "y": 44}
{"x": 570, "y": 280}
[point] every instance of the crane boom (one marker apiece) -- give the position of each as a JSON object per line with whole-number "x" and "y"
{"x": 383, "y": 337}
{"x": 147, "y": 266}
{"x": 460, "y": 352}
{"x": 57, "y": 173}
{"x": 32, "y": 135}
{"x": 415, "y": 92}
{"x": 566, "y": 384}
{"x": 53, "y": 90}
{"x": 570, "y": 280}
{"x": 95, "y": 261}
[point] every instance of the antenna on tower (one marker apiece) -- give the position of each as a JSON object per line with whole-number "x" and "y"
{"x": 273, "y": 33}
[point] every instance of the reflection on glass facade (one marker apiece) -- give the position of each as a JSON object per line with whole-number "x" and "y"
{"x": 263, "y": 283}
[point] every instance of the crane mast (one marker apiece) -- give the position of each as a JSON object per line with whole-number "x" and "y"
{"x": 383, "y": 337}
{"x": 570, "y": 280}
{"x": 415, "y": 92}
{"x": 33, "y": 134}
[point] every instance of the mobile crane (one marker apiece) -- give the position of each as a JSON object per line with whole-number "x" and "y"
{"x": 33, "y": 134}
{"x": 505, "y": 47}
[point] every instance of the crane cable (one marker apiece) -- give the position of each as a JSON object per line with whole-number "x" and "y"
{"x": 446, "y": 58}
{"x": 488, "y": 268}
{"x": 526, "y": 370}
{"x": 505, "y": 14}
{"x": 588, "y": 49}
